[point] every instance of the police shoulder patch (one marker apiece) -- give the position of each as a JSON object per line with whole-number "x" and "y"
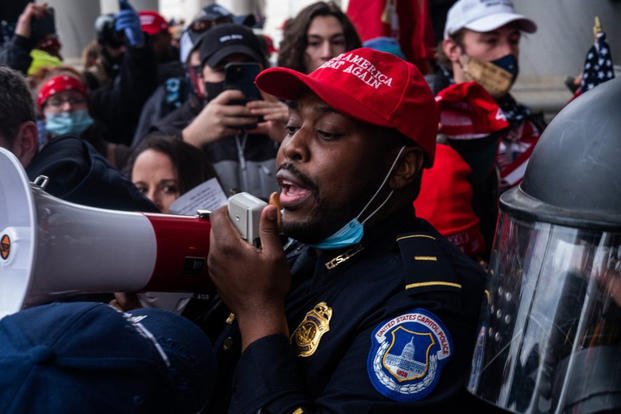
{"x": 407, "y": 355}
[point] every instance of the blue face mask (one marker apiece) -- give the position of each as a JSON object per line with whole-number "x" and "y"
{"x": 64, "y": 123}
{"x": 352, "y": 232}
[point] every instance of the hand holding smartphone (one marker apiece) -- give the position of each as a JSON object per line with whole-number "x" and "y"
{"x": 43, "y": 26}
{"x": 241, "y": 76}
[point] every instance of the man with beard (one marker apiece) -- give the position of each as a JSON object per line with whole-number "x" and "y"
{"x": 370, "y": 309}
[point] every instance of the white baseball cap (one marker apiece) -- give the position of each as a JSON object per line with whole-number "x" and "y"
{"x": 484, "y": 16}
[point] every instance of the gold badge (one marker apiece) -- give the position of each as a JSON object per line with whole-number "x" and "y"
{"x": 307, "y": 335}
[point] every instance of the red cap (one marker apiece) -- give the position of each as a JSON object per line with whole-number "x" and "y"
{"x": 445, "y": 200}
{"x": 468, "y": 111}
{"x": 369, "y": 85}
{"x": 152, "y": 22}
{"x": 59, "y": 84}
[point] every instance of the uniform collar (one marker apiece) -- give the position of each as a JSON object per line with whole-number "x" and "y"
{"x": 380, "y": 237}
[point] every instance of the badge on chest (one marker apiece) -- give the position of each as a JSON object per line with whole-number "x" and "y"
{"x": 307, "y": 335}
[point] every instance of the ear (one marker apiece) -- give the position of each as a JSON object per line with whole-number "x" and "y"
{"x": 26, "y": 143}
{"x": 452, "y": 50}
{"x": 408, "y": 169}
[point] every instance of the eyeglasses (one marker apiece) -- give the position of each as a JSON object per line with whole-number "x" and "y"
{"x": 56, "y": 102}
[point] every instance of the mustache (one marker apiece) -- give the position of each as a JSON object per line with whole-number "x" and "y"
{"x": 304, "y": 180}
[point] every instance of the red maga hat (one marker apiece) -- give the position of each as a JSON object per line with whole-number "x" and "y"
{"x": 152, "y": 22}
{"x": 468, "y": 111}
{"x": 369, "y": 85}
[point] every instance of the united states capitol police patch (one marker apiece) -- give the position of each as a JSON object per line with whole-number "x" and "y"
{"x": 407, "y": 355}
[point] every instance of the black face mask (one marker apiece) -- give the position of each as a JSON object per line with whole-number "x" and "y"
{"x": 213, "y": 89}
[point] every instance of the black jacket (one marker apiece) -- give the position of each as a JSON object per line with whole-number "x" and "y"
{"x": 16, "y": 53}
{"x": 118, "y": 103}
{"x": 79, "y": 174}
{"x": 171, "y": 96}
{"x": 390, "y": 330}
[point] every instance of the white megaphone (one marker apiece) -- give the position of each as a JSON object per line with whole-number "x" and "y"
{"x": 50, "y": 248}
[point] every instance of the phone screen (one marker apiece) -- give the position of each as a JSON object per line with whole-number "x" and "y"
{"x": 241, "y": 76}
{"x": 43, "y": 26}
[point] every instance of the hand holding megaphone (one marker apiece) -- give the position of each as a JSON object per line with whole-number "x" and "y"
{"x": 244, "y": 212}
{"x": 252, "y": 282}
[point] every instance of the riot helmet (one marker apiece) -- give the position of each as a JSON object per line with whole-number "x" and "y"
{"x": 550, "y": 333}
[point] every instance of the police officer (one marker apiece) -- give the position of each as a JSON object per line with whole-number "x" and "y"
{"x": 371, "y": 309}
{"x": 550, "y": 336}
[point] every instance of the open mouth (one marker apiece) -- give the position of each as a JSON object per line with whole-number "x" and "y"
{"x": 293, "y": 192}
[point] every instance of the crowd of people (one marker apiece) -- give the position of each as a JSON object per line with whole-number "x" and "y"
{"x": 365, "y": 293}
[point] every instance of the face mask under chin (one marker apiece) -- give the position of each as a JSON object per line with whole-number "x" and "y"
{"x": 496, "y": 76}
{"x": 353, "y": 231}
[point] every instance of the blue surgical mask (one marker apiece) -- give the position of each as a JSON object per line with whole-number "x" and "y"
{"x": 74, "y": 122}
{"x": 352, "y": 232}
{"x": 348, "y": 235}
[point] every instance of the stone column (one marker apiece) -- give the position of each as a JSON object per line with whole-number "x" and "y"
{"x": 112, "y": 6}
{"x": 239, "y": 6}
{"x": 145, "y": 4}
{"x": 75, "y": 24}
{"x": 181, "y": 9}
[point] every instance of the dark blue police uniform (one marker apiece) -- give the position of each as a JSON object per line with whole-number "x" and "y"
{"x": 386, "y": 326}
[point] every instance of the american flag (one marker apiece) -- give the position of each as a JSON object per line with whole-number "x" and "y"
{"x": 597, "y": 65}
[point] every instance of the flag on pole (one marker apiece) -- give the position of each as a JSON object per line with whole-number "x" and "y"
{"x": 598, "y": 63}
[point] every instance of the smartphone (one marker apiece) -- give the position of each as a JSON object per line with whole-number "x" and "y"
{"x": 241, "y": 76}
{"x": 124, "y": 5}
{"x": 43, "y": 26}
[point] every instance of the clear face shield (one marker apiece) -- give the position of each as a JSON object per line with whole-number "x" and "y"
{"x": 550, "y": 332}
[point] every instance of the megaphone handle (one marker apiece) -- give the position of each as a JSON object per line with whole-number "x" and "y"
{"x": 41, "y": 181}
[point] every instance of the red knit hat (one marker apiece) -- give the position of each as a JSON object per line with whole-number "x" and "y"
{"x": 369, "y": 85}
{"x": 59, "y": 84}
{"x": 445, "y": 200}
{"x": 152, "y": 22}
{"x": 468, "y": 111}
